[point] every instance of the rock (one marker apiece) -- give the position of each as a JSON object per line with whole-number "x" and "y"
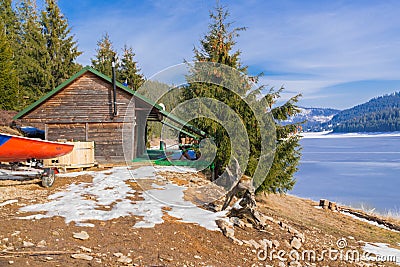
{"x": 118, "y": 254}
{"x": 124, "y": 259}
{"x": 247, "y": 243}
{"x": 27, "y": 244}
{"x": 226, "y": 227}
{"x": 55, "y": 233}
{"x": 82, "y": 235}
{"x": 292, "y": 230}
{"x": 16, "y": 233}
{"x": 248, "y": 225}
{"x": 10, "y": 262}
{"x": 85, "y": 249}
{"x": 268, "y": 218}
{"x": 236, "y": 241}
{"x": 295, "y": 243}
{"x": 301, "y": 236}
{"x": 237, "y": 222}
{"x": 254, "y": 244}
{"x": 283, "y": 225}
{"x": 197, "y": 257}
{"x": 81, "y": 256}
{"x": 48, "y": 258}
{"x": 41, "y": 244}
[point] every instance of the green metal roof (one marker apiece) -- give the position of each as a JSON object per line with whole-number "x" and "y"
{"x": 119, "y": 85}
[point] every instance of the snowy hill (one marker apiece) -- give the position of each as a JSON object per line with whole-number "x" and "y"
{"x": 313, "y": 118}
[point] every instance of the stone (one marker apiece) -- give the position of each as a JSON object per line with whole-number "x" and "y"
{"x": 295, "y": 243}
{"x": 254, "y": 244}
{"x": 27, "y": 244}
{"x": 82, "y": 256}
{"x": 118, "y": 254}
{"x": 236, "y": 241}
{"x": 226, "y": 228}
{"x": 197, "y": 257}
{"x": 82, "y": 235}
{"x": 85, "y": 249}
{"x": 55, "y": 233}
{"x": 124, "y": 259}
{"x": 16, "y": 233}
{"x": 237, "y": 222}
{"x": 41, "y": 244}
{"x": 292, "y": 230}
{"x": 301, "y": 236}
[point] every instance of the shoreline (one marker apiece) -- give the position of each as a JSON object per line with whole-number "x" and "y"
{"x": 330, "y": 134}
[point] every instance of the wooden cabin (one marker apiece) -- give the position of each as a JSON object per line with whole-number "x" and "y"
{"x": 81, "y": 109}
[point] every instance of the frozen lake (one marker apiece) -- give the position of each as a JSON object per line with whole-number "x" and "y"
{"x": 355, "y": 171}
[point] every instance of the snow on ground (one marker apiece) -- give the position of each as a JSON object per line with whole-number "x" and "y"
{"x": 368, "y": 221}
{"x": 107, "y": 197}
{"x": 382, "y": 252}
{"x": 329, "y": 134}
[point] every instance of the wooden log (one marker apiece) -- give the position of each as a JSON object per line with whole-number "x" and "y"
{"x": 324, "y": 203}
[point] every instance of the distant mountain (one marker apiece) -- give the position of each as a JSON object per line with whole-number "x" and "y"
{"x": 313, "y": 118}
{"x": 380, "y": 114}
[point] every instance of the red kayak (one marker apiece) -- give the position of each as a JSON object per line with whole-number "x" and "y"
{"x": 16, "y": 148}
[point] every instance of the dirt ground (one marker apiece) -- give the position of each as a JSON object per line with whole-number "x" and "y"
{"x": 51, "y": 241}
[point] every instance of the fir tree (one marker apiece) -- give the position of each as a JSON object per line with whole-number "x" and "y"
{"x": 9, "y": 20}
{"x": 217, "y": 47}
{"x": 8, "y": 81}
{"x": 128, "y": 71}
{"x": 105, "y": 55}
{"x": 62, "y": 49}
{"x": 32, "y": 65}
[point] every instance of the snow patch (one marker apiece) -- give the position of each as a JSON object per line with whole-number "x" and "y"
{"x": 368, "y": 221}
{"x": 8, "y": 202}
{"x": 382, "y": 252}
{"x": 108, "y": 197}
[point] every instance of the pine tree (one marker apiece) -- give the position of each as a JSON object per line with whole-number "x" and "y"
{"x": 128, "y": 71}
{"x": 8, "y": 81}
{"x": 105, "y": 55}
{"x": 216, "y": 47}
{"x": 62, "y": 48}
{"x": 9, "y": 20}
{"x": 32, "y": 65}
{"x": 11, "y": 47}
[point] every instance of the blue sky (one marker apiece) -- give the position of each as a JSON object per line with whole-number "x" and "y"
{"x": 336, "y": 53}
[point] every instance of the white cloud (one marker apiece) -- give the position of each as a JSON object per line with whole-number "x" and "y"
{"x": 314, "y": 45}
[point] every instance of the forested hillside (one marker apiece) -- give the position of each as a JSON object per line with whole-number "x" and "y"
{"x": 381, "y": 114}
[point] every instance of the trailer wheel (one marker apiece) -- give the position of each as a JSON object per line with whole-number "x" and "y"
{"x": 48, "y": 177}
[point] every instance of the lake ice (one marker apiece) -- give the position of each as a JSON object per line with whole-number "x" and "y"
{"x": 363, "y": 172}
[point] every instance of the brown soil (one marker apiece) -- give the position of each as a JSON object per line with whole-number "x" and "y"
{"x": 171, "y": 243}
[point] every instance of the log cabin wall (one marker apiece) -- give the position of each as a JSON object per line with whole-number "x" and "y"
{"x": 83, "y": 111}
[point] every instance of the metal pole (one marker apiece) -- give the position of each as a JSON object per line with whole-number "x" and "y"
{"x": 114, "y": 87}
